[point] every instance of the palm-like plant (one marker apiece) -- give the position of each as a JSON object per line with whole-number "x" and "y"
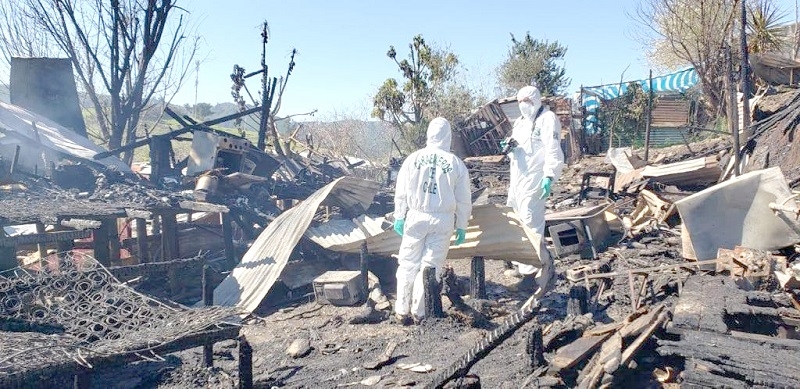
{"x": 764, "y": 30}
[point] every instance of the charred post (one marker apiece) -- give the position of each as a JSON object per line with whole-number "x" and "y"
{"x": 101, "y": 248}
{"x": 208, "y": 300}
{"x": 433, "y": 297}
{"x": 535, "y": 347}
{"x": 245, "y": 364}
{"x": 364, "y": 269}
{"x": 227, "y": 236}
{"x": 141, "y": 240}
{"x": 477, "y": 278}
{"x": 577, "y": 303}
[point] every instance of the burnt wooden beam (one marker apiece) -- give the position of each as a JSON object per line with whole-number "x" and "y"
{"x": 432, "y": 293}
{"x": 227, "y": 236}
{"x": 477, "y": 278}
{"x": 102, "y": 252}
{"x": 203, "y": 207}
{"x": 208, "y": 300}
{"x": 245, "y": 364}
{"x": 141, "y": 240}
{"x": 40, "y": 245}
{"x": 80, "y": 224}
{"x": 169, "y": 247}
{"x": 48, "y": 237}
{"x": 114, "y": 244}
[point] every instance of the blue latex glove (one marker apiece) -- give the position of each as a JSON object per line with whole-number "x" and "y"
{"x": 503, "y": 144}
{"x": 399, "y": 224}
{"x": 461, "y": 235}
{"x": 547, "y": 182}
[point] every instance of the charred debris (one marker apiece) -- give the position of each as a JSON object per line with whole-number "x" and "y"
{"x": 276, "y": 268}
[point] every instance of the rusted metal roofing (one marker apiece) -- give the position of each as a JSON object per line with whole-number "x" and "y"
{"x": 37, "y": 135}
{"x": 775, "y": 68}
{"x": 671, "y": 112}
{"x": 494, "y": 232}
{"x": 262, "y": 264}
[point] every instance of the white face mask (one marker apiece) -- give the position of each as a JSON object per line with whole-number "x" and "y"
{"x": 528, "y": 110}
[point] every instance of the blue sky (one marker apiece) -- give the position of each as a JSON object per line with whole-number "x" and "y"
{"x": 342, "y": 44}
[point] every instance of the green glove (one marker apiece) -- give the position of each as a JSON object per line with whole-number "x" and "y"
{"x": 546, "y": 183}
{"x": 503, "y": 144}
{"x": 398, "y": 226}
{"x": 461, "y": 235}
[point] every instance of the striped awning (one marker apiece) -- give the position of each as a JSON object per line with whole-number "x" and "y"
{"x": 677, "y": 82}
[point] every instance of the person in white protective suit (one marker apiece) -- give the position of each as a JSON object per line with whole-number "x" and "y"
{"x": 432, "y": 198}
{"x": 536, "y": 161}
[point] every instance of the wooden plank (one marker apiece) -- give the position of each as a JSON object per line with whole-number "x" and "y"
{"x": 203, "y": 207}
{"x": 569, "y": 355}
{"x": 637, "y": 344}
{"x": 102, "y": 252}
{"x": 638, "y": 325}
{"x": 80, "y": 224}
{"x": 48, "y": 237}
{"x": 138, "y": 213}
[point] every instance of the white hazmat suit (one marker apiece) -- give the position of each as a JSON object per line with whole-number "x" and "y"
{"x": 433, "y": 197}
{"x": 537, "y": 155}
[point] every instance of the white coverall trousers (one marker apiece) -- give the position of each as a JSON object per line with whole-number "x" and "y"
{"x": 426, "y": 241}
{"x": 531, "y": 213}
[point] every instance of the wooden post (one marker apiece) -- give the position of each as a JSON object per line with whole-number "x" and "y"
{"x": 14, "y": 161}
{"x": 169, "y": 237}
{"x": 208, "y": 300}
{"x": 8, "y": 258}
{"x": 141, "y": 240}
{"x": 113, "y": 241}
{"x": 433, "y": 297}
{"x": 245, "y": 364}
{"x": 41, "y": 246}
{"x": 100, "y": 240}
{"x": 169, "y": 247}
{"x": 477, "y": 278}
{"x": 63, "y": 246}
{"x": 227, "y": 236}
{"x": 649, "y": 118}
{"x": 364, "y": 269}
{"x": 733, "y": 114}
{"x": 745, "y": 67}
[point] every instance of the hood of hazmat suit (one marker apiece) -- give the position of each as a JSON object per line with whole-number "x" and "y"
{"x": 434, "y": 180}
{"x": 530, "y": 100}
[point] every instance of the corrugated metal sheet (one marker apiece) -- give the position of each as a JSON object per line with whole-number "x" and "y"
{"x": 702, "y": 170}
{"x": 262, "y": 264}
{"x": 775, "y": 68}
{"x": 494, "y": 232}
{"x": 668, "y": 136}
{"x": 17, "y": 123}
{"x": 670, "y": 112}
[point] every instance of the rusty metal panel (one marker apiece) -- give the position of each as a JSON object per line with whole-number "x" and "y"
{"x": 670, "y": 112}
